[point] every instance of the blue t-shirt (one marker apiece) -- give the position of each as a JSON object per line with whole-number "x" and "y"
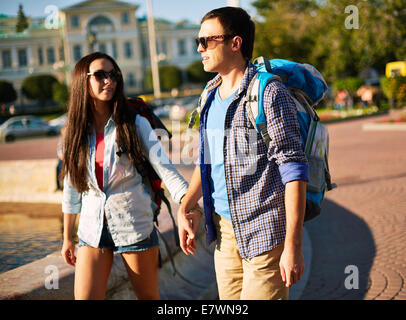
{"x": 215, "y": 138}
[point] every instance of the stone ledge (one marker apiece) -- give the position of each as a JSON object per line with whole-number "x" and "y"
{"x": 384, "y": 127}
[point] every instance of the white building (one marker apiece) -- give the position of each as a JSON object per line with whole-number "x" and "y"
{"x": 94, "y": 25}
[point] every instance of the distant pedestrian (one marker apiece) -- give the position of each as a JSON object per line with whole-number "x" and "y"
{"x": 103, "y": 140}
{"x": 59, "y": 153}
{"x": 366, "y": 94}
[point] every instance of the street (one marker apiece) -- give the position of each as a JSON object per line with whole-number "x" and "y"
{"x": 29, "y": 149}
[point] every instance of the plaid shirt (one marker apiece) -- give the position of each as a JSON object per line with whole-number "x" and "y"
{"x": 255, "y": 176}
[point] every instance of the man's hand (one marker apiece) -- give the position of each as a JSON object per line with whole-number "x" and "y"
{"x": 188, "y": 223}
{"x": 292, "y": 261}
{"x": 291, "y": 265}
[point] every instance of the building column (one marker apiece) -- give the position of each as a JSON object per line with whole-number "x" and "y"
{"x": 109, "y": 48}
{"x": 14, "y": 58}
{"x": 30, "y": 57}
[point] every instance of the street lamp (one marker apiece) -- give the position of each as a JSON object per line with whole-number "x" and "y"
{"x": 91, "y": 40}
{"x": 233, "y": 3}
{"x": 152, "y": 51}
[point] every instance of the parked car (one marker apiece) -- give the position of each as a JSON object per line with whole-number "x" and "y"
{"x": 25, "y": 126}
{"x": 182, "y": 106}
{"x": 59, "y": 122}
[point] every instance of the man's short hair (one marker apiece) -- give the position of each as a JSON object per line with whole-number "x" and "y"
{"x": 237, "y": 22}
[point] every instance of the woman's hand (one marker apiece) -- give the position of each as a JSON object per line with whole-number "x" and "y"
{"x": 68, "y": 252}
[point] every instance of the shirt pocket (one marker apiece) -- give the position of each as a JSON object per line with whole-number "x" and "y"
{"x": 245, "y": 149}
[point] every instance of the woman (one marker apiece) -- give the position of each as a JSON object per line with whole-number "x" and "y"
{"x": 102, "y": 183}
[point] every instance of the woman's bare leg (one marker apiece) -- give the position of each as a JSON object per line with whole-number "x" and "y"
{"x": 142, "y": 268}
{"x": 92, "y": 271}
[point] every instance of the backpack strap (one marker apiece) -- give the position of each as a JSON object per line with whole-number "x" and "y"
{"x": 198, "y": 109}
{"x": 253, "y": 104}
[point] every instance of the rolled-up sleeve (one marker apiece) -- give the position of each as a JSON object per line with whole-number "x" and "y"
{"x": 285, "y": 147}
{"x": 71, "y": 199}
{"x": 159, "y": 159}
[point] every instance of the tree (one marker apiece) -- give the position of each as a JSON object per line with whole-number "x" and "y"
{"x": 60, "y": 93}
{"x": 39, "y": 87}
{"x": 285, "y": 29}
{"x": 7, "y": 92}
{"x": 196, "y": 73}
{"x": 322, "y": 33}
{"x": 169, "y": 77}
{"x": 22, "y": 22}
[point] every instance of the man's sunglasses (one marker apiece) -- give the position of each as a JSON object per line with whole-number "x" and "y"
{"x": 204, "y": 40}
{"x": 100, "y": 75}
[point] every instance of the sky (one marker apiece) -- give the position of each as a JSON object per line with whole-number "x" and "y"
{"x": 173, "y": 10}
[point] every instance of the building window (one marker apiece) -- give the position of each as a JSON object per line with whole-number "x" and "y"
{"x": 114, "y": 47}
{"x": 125, "y": 18}
{"x": 131, "y": 80}
{"x": 182, "y": 47}
{"x": 40, "y": 57}
{"x": 22, "y": 57}
{"x": 128, "y": 49}
{"x": 77, "y": 52}
{"x": 75, "y": 21}
{"x": 164, "y": 48}
{"x": 6, "y": 55}
{"x": 50, "y": 55}
{"x": 194, "y": 47}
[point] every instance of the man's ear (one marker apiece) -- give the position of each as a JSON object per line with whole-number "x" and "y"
{"x": 236, "y": 43}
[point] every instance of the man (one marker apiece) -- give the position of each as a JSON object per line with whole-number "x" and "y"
{"x": 254, "y": 198}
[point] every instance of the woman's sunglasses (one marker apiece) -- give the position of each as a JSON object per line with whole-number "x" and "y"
{"x": 204, "y": 40}
{"x": 100, "y": 75}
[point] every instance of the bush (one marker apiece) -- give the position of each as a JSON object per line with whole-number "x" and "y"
{"x": 351, "y": 84}
{"x": 60, "y": 93}
{"x": 169, "y": 77}
{"x": 393, "y": 87}
{"x": 39, "y": 87}
{"x": 196, "y": 73}
{"x": 7, "y": 92}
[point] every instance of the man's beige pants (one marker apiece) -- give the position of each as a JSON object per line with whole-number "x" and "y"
{"x": 258, "y": 278}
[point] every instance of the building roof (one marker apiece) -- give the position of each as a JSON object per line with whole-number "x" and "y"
{"x": 88, "y": 5}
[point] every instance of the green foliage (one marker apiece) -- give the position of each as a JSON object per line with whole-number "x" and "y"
{"x": 394, "y": 87}
{"x": 60, "y": 93}
{"x": 197, "y": 119}
{"x": 169, "y": 77}
{"x": 39, "y": 87}
{"x": 22, "y": 22}
{"x": 351, "y": 84}
{"x": 196, "y": 73}
{"x": 7, "y": 92}
{"x": 318, "y": 32}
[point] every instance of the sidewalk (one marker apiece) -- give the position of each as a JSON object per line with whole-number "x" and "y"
{"x": 358, "y": 242}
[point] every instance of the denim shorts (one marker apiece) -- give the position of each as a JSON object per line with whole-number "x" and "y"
{"x": 106, "y": 242}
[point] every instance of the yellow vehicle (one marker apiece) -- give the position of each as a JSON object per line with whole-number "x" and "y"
{"x": 396, "y": 68}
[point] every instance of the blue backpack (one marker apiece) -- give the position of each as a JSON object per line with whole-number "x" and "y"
{"x": 307, "y": 88}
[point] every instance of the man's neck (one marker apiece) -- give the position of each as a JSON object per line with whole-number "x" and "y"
{"x": 231, "y": 78}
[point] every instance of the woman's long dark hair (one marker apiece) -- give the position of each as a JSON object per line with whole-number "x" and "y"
{"x": 80, "y": 123}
